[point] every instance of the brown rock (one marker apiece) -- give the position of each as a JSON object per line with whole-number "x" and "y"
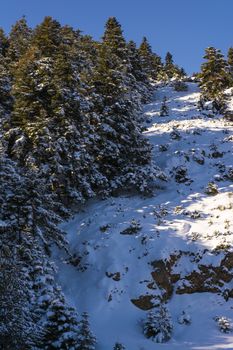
{"x": 144, "y": 302}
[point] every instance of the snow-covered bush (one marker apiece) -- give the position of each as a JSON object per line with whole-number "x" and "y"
{"x": 180, "y": 86}
{"x": 184, "y": 318}
{"x": 228, "y": 115}
{"x": 164, "y": 110}
{"x": 180, "y": 173}
{"x": 134, "y": 228}
{"x": 215, "y": 153}
{"x": 119, "y": 346}
{"x": 175, "y": 134}
{"x": 198, "y": 156}
{"x": 163, "y": 148}
{"x": 211, "y": 189}
{"x": 224, "y": 324}
{"x": 158, "y": 325}
{"x": 229, "y": 173}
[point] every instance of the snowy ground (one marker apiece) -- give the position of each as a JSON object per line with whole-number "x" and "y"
{"x": 113, "y": 267}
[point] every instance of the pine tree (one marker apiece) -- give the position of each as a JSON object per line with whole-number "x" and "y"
{"x": 213, "y": 76}
{"x": 5, "y": 89}
{"x": 19, "y": 41}
{"x": 151, "y": 63}
{"x": 113, "y": 38}
{"x": 179, "y": 85}
{"x": 158, "y": 325}
{"x": 136, "y": 62}
{"x": 17, "y": 328}
{"x": 86, "y": 340}
{"x": 111, "y": 69}
{"x": 169, "y": 65}
{"x": 24, "y": 214}
{"x": 172, "y": 70}
{"x": 164, "y": 110}
{"x": 47, "y": 37}
{"x": 201, "y": 103}
{"x": 145, "y": 53}
{"x": 61, "y": 328}
{"x": 119, "y": 346}
{"x": 230, "y": 64}
{"x": 28, "y": 205}
{"x": 140, "y": 82}
{"x": 4, "y": 43}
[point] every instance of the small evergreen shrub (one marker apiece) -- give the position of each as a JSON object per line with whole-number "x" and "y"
{"x": 180, "y": 86}
{"x": 164, "y": 110}
{"x": 175, "y": 134}
{"x": 119, "y": 346}
{"x": 134, "y": 228}
{"x": 184, "y": 318}
{"x": 224, "y": 324}
{"x": 211, "y": 189}
{"x": 158, "y": 325}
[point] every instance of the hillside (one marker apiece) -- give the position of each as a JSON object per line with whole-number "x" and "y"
{"x": 131, "y": 252}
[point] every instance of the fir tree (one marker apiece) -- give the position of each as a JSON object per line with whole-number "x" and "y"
{"x": 158, "y": 325}
{"x": 19, "y": 41}
{"x": 113, "y": 38}
{"x": 4, "y": 43}
{"x": 169, "y": 65}
{"x": 230, "y": 64}
{"x": 213, "y": 76}
{"x": 171, "y": 69}
{"x": 164, "y": 110}
{"x": 47, "y": 37}
{"x": 61, "y": 328}
{"x": 119, "y": 346}
{"x": 86, "y": 340}
{"x": 6, "y": 101}
{"x": 136, "y": 62}
{"x": 17, "y": 329}
{"x": 151, "y": 63}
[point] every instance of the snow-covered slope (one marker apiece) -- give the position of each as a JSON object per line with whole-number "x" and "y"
{"x": 132, "y": 252}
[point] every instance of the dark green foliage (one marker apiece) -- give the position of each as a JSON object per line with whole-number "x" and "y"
{"x": 5, "y": 89}
{"x": 169, "y": 65}
{"x": 119, "y": 346}
{"x": 230, "y": 64}
{"x": 4, "y": 43}
{"x": 19, "y": 40}
{"x": 172, "y": 70}
{"x": 17, "y": 328}
{"x": 136, "y": 67}
{"x": 150, "y": 62}
{"x": 164, "y": 110}
{"x": 180, "y": 86}
{"x": 213, "y": 76}
{"x": 61, "y": 328}
{"x": 86, "y": 340}
{"x": 113, "y": 38}
{"x": 158, "y": 325}
{"x": 46, "y": 37}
